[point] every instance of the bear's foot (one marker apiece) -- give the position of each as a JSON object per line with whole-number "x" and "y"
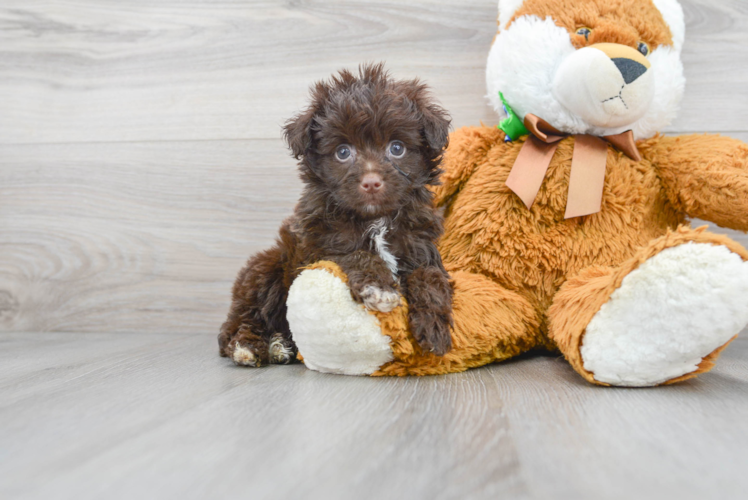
{"x": 333, "y": 332}
{"x": 660, "y": 318}
{"x": 668, "y": 315}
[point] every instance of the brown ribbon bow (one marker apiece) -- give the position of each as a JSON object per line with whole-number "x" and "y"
{"x": 587, "y": 175}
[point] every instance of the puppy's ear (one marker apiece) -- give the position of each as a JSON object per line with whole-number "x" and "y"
{"x": 298, "y": 132}
{"x": 434, "y": 119}
{"x": 435, "y": 122}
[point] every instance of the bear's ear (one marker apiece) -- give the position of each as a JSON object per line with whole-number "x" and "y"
{"x": 507, "y": 9}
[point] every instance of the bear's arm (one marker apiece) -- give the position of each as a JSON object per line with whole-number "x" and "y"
{"x": 705, "y": 176}
{"x": 467, "y": 147}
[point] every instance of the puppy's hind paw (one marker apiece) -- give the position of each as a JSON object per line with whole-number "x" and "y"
{"x": 376, "y": 299}
{"x": 245, "y": 356}
{"x": 282, "y": 350}
{"x": 248, "y": 350}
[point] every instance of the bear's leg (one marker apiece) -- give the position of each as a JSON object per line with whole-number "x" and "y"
{"x": 336, "y": 335}
{"x": 661, "y": 317}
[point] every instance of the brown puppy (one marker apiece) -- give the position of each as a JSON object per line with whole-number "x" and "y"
{"x": 368, "y": 148}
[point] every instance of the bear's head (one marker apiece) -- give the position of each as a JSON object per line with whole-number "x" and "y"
{"x": 598, "y": 67}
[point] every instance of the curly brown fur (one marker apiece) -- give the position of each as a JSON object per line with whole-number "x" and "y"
{"x": 361, "y": 206}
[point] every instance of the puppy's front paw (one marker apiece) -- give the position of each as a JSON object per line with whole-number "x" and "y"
{"x": 378, "y": 299}
{"x": 432, "y": 332}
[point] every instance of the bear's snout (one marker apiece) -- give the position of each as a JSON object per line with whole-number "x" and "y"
{"x": 606, "y": 84}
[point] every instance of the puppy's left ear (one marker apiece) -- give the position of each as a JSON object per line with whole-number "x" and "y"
{"x": 435, "y": 124}
{"x": 434, "y": 121}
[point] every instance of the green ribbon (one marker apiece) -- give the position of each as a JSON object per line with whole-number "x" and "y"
{"x": 512, "y": 125}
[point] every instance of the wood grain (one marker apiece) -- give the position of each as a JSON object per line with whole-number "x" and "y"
{"x": 85, "y": 70}
{"x": 92, "y": 416}
{"x": 134, "y": 237}
{"x": 170, "y": 70}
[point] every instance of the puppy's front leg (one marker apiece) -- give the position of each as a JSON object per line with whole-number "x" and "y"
{"x": 429, "y": 295}
{"x": 370, "y": 280}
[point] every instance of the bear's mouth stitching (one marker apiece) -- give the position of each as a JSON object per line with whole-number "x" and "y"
{"x": 619, "y": 96}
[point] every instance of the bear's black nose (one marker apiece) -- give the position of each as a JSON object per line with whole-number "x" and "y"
{"x": 630, "y": 69}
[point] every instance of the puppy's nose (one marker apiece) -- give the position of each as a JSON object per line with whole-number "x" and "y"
{"x": 371, "y": 183}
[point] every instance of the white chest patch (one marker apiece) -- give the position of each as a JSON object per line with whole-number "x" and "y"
{"x": 377, "y": 232}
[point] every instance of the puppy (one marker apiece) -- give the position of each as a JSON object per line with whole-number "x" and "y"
{"x": 368, "y": 148}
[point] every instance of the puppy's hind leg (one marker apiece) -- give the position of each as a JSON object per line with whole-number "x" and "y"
{"x": 252, "y": 350}
{"x": 256, "y": 332}
{"x": 248, "y": 349}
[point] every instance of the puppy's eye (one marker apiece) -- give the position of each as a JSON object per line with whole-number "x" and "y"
{"x": 343, "y": 152}
{"x": 643, "y": 48}
{"x": 397, "y": 149}
{"x": 585, "y": 32}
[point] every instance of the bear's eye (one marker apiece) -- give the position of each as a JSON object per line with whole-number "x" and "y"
{"x": 343, "y": 152}
{"x": 585, "y": 32}
{"x": 643, "y": 48}
{"x": 397, "y": 149}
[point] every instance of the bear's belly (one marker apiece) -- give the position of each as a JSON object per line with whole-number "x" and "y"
{"x": 489, "y": 230}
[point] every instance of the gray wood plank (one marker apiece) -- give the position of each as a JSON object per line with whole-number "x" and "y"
{"x": 103, "y": 71}
{"x": 134, "y": 237}
{"x": 168, "y": 70}
{"x": 161, "y": 416}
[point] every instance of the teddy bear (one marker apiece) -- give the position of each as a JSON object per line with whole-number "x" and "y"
{"x": 566, "y": 227}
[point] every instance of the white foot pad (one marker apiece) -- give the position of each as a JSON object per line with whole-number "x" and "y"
{"x": 279, "y": 352}
{"x": 668, "y": 314}
{"x": 334, "y": 334}
{"x": 380, "y": 300}
{"x": 243, "y": 356}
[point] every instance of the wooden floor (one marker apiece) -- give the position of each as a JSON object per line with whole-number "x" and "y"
{"x": 141, "y": 163}
{"x": 92, "y": 416}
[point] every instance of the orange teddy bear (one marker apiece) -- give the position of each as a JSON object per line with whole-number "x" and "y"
{"x": 566, "y": 227}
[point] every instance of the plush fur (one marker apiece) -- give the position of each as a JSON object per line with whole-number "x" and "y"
{"x": 529, "y": 278}
{"x": 540, "y": 39}
{"x": 369, "y": 148}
